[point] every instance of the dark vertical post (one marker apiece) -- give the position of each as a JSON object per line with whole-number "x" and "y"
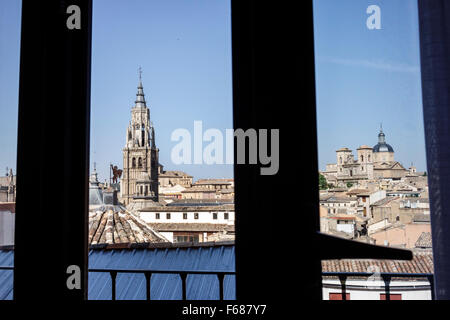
{"x": 387, "y": 285}
{"x": 53, "y": 150}
{"x": 221, "y": 277}
{"x": 148, "y": 276}
{"x": 113, "y": 275}
{"x": 274, "y": 88}
{"x": 434, "y": 26}
{"x": 183, "y": 276}
{"x": 343, "y": 279}
{"x": 431, "y": 280}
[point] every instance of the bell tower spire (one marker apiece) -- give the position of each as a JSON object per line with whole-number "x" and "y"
{"x": 140, "y": 155}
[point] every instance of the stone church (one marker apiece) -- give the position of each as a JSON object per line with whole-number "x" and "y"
{"x": 370, "y": 163}
{"x": 140, "y": 155}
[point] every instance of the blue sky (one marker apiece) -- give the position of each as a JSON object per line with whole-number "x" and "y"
{"x": 184, "y": 48}
{"x": 365, "y": 77}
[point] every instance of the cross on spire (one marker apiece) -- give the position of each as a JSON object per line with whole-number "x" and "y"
{"x": 140, "y": 73}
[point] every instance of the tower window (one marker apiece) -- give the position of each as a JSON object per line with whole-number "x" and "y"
{"x": 362, "y": 158}
{"x": 133, "y": 163}
{"x": 140, "y": 162}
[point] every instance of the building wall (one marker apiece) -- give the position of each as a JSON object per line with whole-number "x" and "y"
{"x": 7, "y": 225}
{"x": 407, "y": 291}
{"x": 177, "y": 217}
{"x": 383, "y": 156}
{"x": 347, "y": 228}
{"x": 405, "y": 235}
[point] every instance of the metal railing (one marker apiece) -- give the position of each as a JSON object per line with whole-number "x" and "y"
{"x": 342, "y": 276}
{"x": 148, "y": 273}
{"x": 386, "y": 277}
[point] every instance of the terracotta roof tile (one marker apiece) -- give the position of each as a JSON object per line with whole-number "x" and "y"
{"x": 421, "y": 263}
{"x": 111, "y": 226}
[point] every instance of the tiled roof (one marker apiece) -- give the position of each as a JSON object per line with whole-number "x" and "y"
{"x": 198, "y": 189}
{"x": 178, "y": 174}
{"x": 213, "y": 181}
{"x": 421, "y": 263}
{"x": 111, "y": 225}
{"x": 424, "y": 240}
{"x": 384, "y": 201}
{"x": 189, "y": 208}
{"x": 357, "y": 191}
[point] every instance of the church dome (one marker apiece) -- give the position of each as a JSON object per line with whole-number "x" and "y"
{"x": 382, "y": 146}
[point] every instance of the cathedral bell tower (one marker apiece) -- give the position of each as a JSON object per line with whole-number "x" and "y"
{"x": 140, "y": 155}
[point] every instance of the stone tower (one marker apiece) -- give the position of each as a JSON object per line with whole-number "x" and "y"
{"x": 140, "y": 155}
{"x": 365, "y": 159}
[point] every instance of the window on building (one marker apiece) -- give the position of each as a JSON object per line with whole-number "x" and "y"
{"x": 168, "y": 216}
{"x": 156, "y": 215}
{"x": 339, "y": 296}
{"x": 196, "y": 215}
{"x": 215, "y": 215}
{"x": 186, "y": 238}
{"x": 225, "y": 216}
{"x": 185, "y": 216}
{"x": 392, "y": 296}
{"x": 133, "y": 163}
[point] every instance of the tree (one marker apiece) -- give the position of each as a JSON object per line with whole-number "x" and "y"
{"x": 425, "y": 174}
{"x": 322, "y": 182}
{"x": 349, "y": 184}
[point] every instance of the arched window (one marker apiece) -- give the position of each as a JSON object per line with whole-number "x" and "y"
{"x": 340, "y": 160}
{"x": 141, "y": 191}
{"x": 146, "y": 190}
{"x": 133, "y": 163}
{"x": 140, "y": 162}
{"x": 362, "y": 158}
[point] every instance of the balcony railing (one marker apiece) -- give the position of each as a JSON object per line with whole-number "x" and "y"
{"x": 148, "y": 274}
{"x": 386, "y": 277}
{"x": 342, "y": 276}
